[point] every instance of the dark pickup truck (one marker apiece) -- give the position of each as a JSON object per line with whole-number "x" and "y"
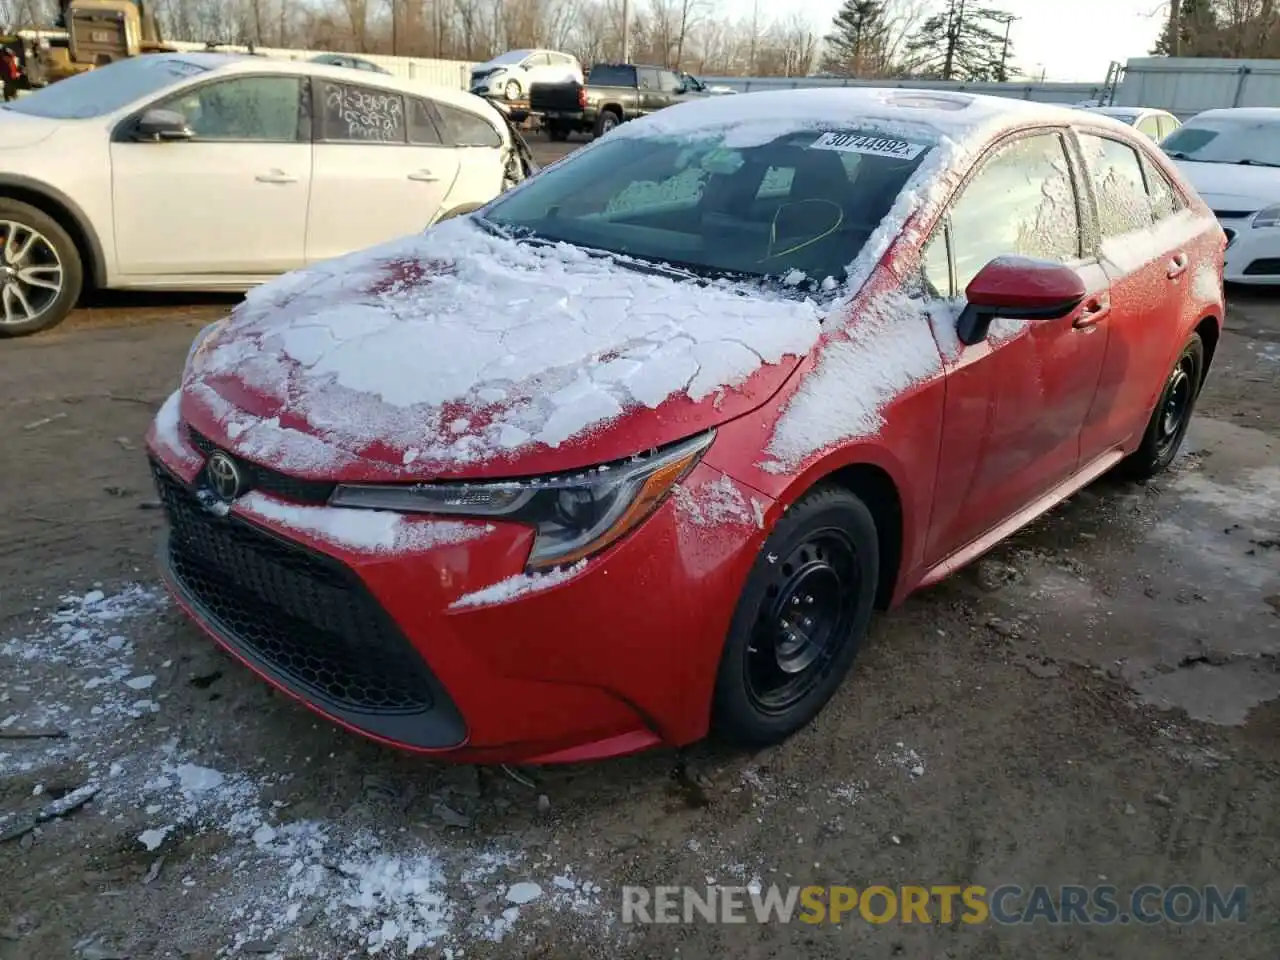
{"x": 613, "y": 94}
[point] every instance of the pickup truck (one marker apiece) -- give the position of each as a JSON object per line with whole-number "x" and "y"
{"x": 613, "y": 94}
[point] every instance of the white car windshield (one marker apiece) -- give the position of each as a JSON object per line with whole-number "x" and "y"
{"x": 1219, "y": 140}
{"x": 799, "y": 207}
{"x": 509, "y": 58}
{"x": 105, "y": 89}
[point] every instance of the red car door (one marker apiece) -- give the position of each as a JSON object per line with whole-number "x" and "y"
{"x": 1152, "y": 266}
{"x": 1015, "y": 403}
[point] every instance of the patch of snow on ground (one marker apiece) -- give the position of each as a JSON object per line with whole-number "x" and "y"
{"x": 519, "y": 585}
{"x": 371, "y": 531}
{"x": 718, "y": 502}
{"x": 903, "y": 757}
{"x": 887, "y": 350}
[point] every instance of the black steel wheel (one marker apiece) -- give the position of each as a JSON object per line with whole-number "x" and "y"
{"x": 1167, "y": 427}
{"x": 800, "y": 620}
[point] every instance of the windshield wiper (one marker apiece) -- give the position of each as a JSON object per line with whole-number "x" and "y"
{"x": 1247, "y": 162}
{"x": 489, "y": 227}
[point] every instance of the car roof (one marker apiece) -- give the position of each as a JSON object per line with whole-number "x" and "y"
{"x": 1247, "y": 114}
{"x": 1127, "y": 111}
{"x": 962, "y": 117}
{"x": 233, "y": 63}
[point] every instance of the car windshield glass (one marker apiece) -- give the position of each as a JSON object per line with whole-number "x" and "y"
{"x": 1226, "y": 141}
{"x": 106, "y": 89}
{"x": 799, "y": 207}
{"x": 510, "y": 57}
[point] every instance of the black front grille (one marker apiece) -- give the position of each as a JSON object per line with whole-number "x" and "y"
{"x": 306, "y": 621}
{"x": 269, "y": 481}
{"x": 1265, "y": 267}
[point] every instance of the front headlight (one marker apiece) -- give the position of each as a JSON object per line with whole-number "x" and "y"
{"x": 574, "y": 515}
{"x": 1270, "y": 217}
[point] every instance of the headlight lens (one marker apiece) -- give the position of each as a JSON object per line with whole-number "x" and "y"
{"x": 575, "y": 516}
{"x": 1270, "y": 217}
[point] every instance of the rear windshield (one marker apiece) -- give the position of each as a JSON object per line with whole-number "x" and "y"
{"x": 799, "y": 207}
{"x": 105, "y": 89}
{"x": 605, "y": 76}
{"x": 1215, "y": 140}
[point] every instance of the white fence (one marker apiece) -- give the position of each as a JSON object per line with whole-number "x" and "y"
{"x": 1184, "y": 85}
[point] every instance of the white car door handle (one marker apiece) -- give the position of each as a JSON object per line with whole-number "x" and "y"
{"x": 424, "y": 176}
{"x": 276, "y": 176}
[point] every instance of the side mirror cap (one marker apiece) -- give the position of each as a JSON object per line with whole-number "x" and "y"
{"x": 1019, "y": 289}
{"x": 158, "y": 125}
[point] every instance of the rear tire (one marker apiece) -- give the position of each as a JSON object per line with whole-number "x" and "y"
{"x": 607, "y": 120}
{"x": 800, "y": 620}
{"x": 1167, "y": 427}
{"x": 35, "y": 253}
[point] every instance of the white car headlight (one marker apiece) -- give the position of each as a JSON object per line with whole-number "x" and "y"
{"x": 575, "y": 515}
{"x": 1270, "y": 217}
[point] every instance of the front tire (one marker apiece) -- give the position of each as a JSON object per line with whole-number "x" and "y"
{"x": 1167, "y": 427}
{"x": 800, "y": 620}
{"x": 512, "y": 90}
{"x": 40, "y": 270}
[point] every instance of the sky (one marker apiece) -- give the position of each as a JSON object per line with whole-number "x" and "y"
{"x": 1073, "y": 40}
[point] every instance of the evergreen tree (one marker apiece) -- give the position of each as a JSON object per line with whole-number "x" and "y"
{"x": 856, "y": 44}
{"x": 1197, "y": 30}
{"x": 963, "y": 42}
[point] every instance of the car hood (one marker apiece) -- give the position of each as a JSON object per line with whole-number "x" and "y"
{"x": 457, "y": 354}
{"x": 22, "y": 130}
{"x": 1230, "y": 186}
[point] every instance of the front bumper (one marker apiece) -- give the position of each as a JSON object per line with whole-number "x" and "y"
{"x": 619, "y": 658}
{"x": 1253, "y": 254}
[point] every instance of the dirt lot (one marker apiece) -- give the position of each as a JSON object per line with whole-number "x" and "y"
{"x": 1097, "y": 702}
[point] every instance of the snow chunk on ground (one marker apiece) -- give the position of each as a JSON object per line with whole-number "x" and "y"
{"x": 889, "y": 348}
{"x": 518, "y": 586}
{"x": 369, "y": 531}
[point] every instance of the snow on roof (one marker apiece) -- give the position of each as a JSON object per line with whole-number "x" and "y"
{"x": 1242, "y": 114}
{"x": 460, "y": 347}
{"x": 960, "y": 117}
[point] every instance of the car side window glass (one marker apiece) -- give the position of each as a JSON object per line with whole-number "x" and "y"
{"x": 256, "y": 109}
{"x": 422, "y": 123}
{"x": 1022, "y": 202}
{"x": 646, "y": 79}
{"x": 462, "y": 128}
{"x": 351, "y": 114}
{"x": 668, "y": 82}
{"x": 1123, "y": 204}
{"x": 1150, "y": 126}
{"x": 1165, "y": 200}
{"x": 935, "y": 265}
{"x": 1168, "y": 124}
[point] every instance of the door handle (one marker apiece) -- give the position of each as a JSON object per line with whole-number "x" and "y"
{"x": 275, "y": 176}
{"x": 1178, "y": 265}
{"x": 424, "y": 176}
{"x": 1094, "y": 311}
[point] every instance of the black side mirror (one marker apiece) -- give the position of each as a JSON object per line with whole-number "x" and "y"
{"x": 160, "y": 125}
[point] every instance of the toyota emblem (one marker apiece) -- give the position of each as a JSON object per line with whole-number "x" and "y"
{"x": 225, "y": 480}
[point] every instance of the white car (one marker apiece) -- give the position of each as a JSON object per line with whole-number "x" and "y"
{"x": 1156, "y": 124}
{"x": 1232, "y": 158}
{"x": 511, "y": 74}
{"x": 210, "y": 171}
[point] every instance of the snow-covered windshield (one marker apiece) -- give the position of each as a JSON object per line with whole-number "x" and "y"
{"x": 106, "y": 89}
{"x": 800, "y": 206}
{"x": 508, "y": 58}
{"x": 1224, "y": 140}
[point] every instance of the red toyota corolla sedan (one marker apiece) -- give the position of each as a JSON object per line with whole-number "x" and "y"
{"x": 632, "y": 453}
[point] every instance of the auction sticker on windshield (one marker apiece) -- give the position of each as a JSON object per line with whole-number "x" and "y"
{"x": 871, "y": 145}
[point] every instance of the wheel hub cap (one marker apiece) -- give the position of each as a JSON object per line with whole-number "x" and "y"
{"x": 31, "y": 275}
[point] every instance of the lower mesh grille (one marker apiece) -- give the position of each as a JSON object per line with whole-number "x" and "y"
{"x": 307, "y": 619}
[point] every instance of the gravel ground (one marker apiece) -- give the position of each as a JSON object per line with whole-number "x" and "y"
{"x": 1096, "y": 699}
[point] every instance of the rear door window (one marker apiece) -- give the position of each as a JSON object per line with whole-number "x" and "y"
{"x": 1150, "y": 125}
{"x": 462, "y": 128}
{"x": 604, "y": 76}
{"x": 1116, "y": 171}
{"x": 356, "y": 114}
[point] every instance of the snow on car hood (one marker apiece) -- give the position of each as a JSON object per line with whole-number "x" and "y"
{"x": 456, "y": 353}
{"x": 1228, "y": 186}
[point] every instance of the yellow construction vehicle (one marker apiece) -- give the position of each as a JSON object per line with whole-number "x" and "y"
{"x": 99, "y": 32}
